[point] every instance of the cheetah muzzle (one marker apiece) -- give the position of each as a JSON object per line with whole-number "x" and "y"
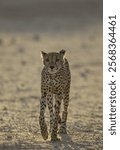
{"x": 55, "y": 81}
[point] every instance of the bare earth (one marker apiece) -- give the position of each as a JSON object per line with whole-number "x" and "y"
{"x": 20, "y": 67}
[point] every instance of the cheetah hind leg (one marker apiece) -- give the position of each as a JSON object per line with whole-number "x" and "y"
{"x": 62, "y": 129}
{"x": 59, "y": 121}
{"x": 56, "y": 139}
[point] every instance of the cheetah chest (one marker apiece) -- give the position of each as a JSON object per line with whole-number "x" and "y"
{"x": 55, "y": 84}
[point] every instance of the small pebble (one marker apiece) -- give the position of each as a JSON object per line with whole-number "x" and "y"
{"x": 36, "y": 37}
{"x": 5, "y": 108}
{"x": 23, "y": 62}
{"x": 9, "y": 137}
{"x": 21, "y": 49}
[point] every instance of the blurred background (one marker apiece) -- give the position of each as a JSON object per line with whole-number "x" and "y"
{"x": 28, "y": 27}
{"x": 48, "y": 15}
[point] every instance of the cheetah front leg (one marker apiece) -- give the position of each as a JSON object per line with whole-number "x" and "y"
{"x": 62, "y": 129}
{"x": 42, "y": 122}
{"x": 49, "y": 98}
{"x": 58, "y": 99}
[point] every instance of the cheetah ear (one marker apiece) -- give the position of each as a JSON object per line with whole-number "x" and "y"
{"x": 43, "y": 54}
{"x": 62, "y": 52}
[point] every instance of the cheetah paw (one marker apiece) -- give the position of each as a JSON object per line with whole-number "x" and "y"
{"x": 55, "y": 139}
{"x": 62, "y": 131}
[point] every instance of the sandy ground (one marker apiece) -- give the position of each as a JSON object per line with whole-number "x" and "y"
{"x": 20, "y": 67}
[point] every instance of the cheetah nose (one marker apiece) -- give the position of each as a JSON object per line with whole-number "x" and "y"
{"x": 51, "y": 67}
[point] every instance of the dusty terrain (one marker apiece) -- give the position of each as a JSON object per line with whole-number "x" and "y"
{"x": 22, "y": 37}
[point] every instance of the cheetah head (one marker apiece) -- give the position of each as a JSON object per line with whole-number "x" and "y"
{"x": 53, "y": 61}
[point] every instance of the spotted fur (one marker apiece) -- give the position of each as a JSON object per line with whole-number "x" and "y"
{"x": 55, "y": 81}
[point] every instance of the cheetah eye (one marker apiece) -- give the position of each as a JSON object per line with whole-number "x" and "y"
{"x": 47, "y": 59}
{"x": 57, "y": 60}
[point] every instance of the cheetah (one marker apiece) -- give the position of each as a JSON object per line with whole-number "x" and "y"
{"x": 55, "y": 81}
